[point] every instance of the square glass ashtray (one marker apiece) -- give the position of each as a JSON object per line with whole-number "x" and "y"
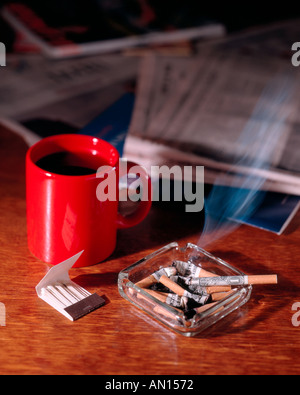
{"x": 194, "y": 311}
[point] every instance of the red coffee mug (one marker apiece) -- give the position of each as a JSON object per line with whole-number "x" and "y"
{"x": 64, "y": 214}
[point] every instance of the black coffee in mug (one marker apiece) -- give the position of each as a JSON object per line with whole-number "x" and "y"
{"x": 68, "y": 164}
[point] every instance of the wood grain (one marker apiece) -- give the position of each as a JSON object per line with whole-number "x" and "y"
{"x": 119, "y": 339}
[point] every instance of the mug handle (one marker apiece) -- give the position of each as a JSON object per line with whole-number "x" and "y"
{"x": 144, "y": 206}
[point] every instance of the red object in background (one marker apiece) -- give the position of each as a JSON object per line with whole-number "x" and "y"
{"x": 64, "y": 215}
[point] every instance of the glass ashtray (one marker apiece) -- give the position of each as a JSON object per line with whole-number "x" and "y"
{"x": 153, "y": 299}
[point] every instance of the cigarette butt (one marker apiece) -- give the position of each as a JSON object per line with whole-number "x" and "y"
{"x": 217, "y": 296}
{"x": 154, "y": 278}
{"x": 146, "y": 282}
{"x": 170, "y": 299}
{"x": 161, "y": 310}
{"x": 156, "y": 308}
{"x": 263, "y": 279}
{"x": 181, "y": 302}
{"x": 207, "y": 306}
{"x": 177, "y": 289}
{"x": 211, "y": 290}
{"x": 186, "y": 297}
{"x": 204, "y": 308}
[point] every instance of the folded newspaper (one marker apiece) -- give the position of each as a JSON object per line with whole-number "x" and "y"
{"x": 232, "y": 109}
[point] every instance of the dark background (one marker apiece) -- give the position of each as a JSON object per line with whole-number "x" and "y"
{"x": 234, "y": 15}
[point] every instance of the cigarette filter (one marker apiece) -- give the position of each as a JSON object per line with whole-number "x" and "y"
{"x": 64, "y": 295}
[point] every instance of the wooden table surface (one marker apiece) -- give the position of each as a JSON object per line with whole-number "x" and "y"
{"x": 120, "y": 339}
